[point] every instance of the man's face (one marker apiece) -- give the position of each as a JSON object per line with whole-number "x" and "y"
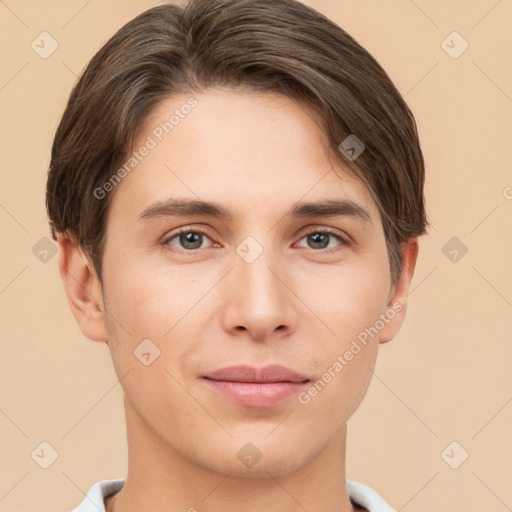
{"x": 264, "y": 287}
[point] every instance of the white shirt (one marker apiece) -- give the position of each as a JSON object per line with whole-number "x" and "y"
{"x": 358, "y": 493}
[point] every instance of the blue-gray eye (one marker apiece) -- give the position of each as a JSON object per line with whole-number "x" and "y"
{"x": 188, "y": 239}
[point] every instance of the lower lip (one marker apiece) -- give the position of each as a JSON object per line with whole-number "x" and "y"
{"x": 255, "y": 394}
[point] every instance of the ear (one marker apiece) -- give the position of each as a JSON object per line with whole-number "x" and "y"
{"x": 82, "y": 288}
{"x": 395, "y": 312}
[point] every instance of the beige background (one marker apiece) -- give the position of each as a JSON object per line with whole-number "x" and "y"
{"x": 445, "y": 378}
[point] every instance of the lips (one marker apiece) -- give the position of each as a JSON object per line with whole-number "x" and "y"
{"x": 267, "y": 374}
{"x": 256, "y": 387}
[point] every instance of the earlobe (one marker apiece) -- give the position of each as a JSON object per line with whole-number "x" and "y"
{"x": 395, "y": 312}
{"x": 82, "y": 289}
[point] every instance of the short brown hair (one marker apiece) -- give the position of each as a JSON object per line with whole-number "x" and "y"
{"x": 280, "y": 46}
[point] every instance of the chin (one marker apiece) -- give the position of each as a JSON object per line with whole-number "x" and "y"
{"x": 262, "y": 469}
{"x": 261, "y": 460}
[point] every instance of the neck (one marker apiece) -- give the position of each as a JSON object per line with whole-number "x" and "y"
{"x": 161, "y": 479}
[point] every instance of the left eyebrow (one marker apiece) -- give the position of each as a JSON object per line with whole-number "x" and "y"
{"x": 190, "y": 207}
{"x": 326, "y": 208}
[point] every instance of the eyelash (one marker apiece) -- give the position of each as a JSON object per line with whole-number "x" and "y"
{"x": 344, "y": 241}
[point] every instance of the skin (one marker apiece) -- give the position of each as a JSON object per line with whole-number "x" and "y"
{"x": 208, "y": 308}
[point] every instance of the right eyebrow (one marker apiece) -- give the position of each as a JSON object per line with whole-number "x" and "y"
{"x": 186, "y": 207}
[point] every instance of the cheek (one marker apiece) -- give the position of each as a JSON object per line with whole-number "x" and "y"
{"x": 361, "y": 305}
{"x": 350, "y": 304}
{"x": 346, "y": 300}
{"x": 149, "y": 299}
{"x": 152, "y": 332}
{"x": 163, "y": 305}
{"x": 332, "y": 398}
{"x": 344, "y": 358}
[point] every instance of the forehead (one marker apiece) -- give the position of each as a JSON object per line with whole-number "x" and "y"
{"x": 245, "y": 150}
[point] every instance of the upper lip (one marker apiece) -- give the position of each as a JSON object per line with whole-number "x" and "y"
{"x": 244, "y": 373}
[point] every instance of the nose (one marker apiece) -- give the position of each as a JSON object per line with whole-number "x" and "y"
{"x": 259, "y": 299}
